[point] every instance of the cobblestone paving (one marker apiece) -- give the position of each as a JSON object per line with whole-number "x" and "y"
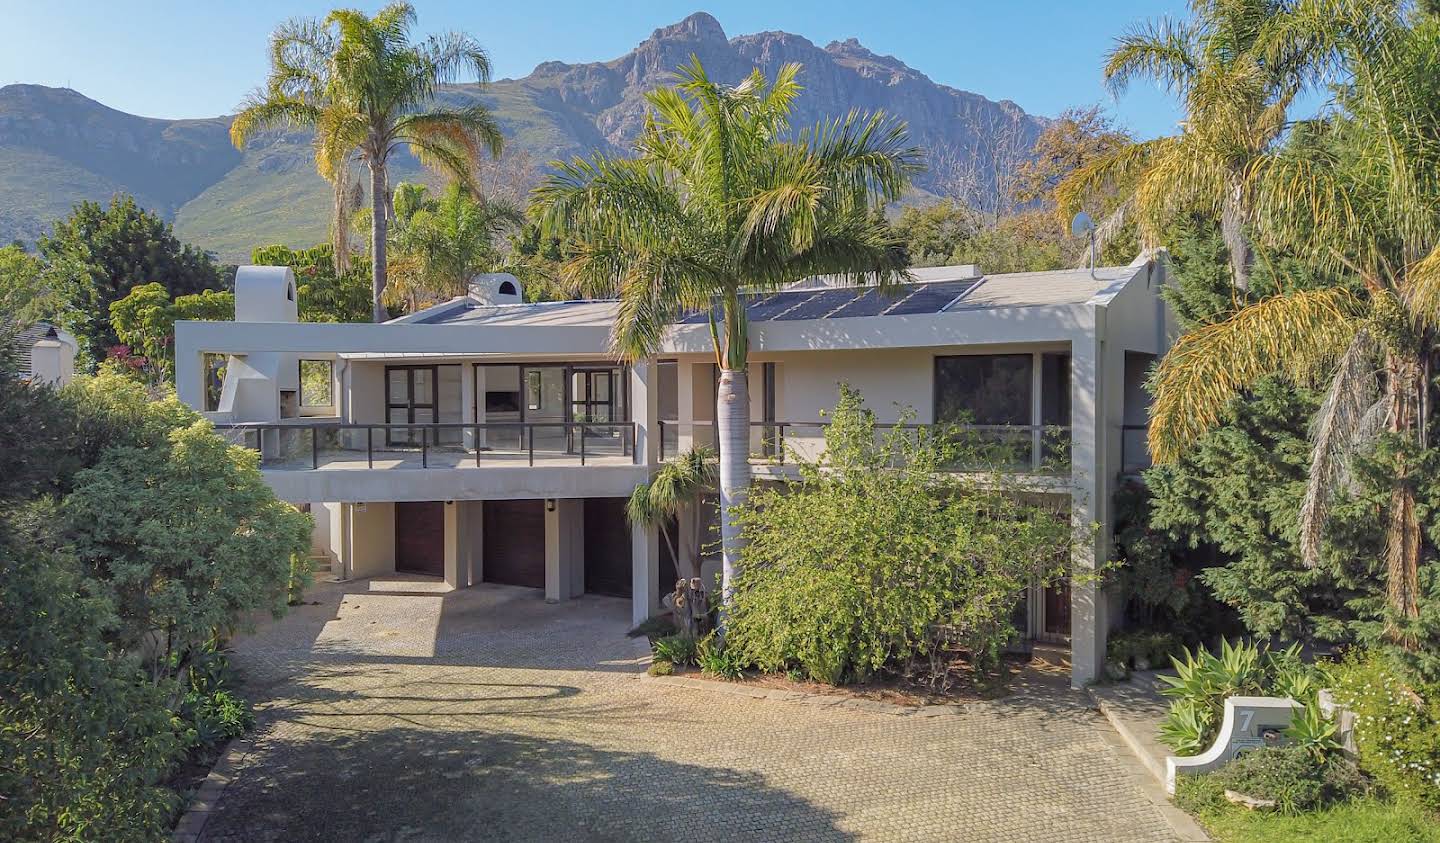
{"x": 391, "y": 713}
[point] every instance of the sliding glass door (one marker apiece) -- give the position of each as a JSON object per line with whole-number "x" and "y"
{"x": 409, "y": 399}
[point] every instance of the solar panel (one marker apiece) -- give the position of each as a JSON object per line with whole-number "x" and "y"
{"x": 775, "y": 304}
{"x": 819, "y": 305}
{"x": 930, "y": 298}
{"x": 872, "y": 302}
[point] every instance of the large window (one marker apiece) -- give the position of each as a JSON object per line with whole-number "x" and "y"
{"x": 984, "y": 389}
{"x": 317, "y": 383}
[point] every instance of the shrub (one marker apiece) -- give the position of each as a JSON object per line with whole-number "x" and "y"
{"x": 677, "y": 649}
{"x": 877, "y": 558}
{"x": 659, "y": 667}
{"x": 717, "y": 659}
{"x": 211, "y": 708}
{"x": 1397, "y": 727}
{"x": 1290, "y": 775}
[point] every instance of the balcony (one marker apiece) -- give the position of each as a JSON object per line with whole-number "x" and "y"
{"x": 306, "y": 445}
{"x": 1024, "y": 449}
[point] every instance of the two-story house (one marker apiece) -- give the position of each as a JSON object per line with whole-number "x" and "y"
{"x": 490, "y": 440}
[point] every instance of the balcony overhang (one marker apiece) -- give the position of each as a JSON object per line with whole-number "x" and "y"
{"x": 485, "y": 483}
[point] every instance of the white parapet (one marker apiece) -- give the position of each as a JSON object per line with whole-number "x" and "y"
{"x": 1249, "y": 723}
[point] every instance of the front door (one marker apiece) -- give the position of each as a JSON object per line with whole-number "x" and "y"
{"x": 410, "y": 398}
{"x": 420, "y": 537}
{"x": 1057, "y": 610}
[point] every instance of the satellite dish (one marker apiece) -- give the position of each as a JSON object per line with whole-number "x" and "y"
{"x": 1082, "y": 225}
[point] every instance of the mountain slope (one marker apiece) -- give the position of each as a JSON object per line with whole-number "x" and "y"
{"x": 57, "y": 147}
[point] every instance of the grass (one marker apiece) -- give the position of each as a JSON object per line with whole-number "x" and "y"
{"x": 1358, "y": 821}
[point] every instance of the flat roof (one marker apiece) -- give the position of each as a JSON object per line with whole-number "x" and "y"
{"x": 934, "y": 290}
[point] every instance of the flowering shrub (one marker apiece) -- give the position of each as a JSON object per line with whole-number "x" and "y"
{"x": 1397, "y": 727}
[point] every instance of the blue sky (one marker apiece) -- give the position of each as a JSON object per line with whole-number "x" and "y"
{"x": 199, "y": 58}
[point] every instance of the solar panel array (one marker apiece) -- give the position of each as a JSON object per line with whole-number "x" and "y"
{"x": 841, "y": 303}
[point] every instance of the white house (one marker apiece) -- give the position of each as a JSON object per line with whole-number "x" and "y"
{"x": 486, "y": 439}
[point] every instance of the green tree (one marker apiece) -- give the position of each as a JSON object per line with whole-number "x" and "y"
{"x": 717, "y": 203}
{"x": 145, "y": 320}
{"x": 444, "y": 241}
{"x": 321, "y": 294}
{"x": 1354, "y": 194}
{"x": 183, "y": 536}
{"x": 877, "y": 557}
{"x": 367, "y": 89}
{"x": 677, "y": 491}
{"x": 34, "y": 290}
{"x": 121, "y": 246}
{"x": 932, "y": 234}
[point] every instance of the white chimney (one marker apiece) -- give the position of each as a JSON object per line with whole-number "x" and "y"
{"x": 496, "y": 288}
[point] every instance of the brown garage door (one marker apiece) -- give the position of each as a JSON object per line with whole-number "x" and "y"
{"x": 515, "y": 543}
{"x": 420, "y": 537}
{"x": 607, "y": 547}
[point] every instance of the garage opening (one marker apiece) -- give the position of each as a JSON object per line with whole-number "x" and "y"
{"x": 607, "y": 548}
{"x": 514, "y": 542}
{"x": 420, "y": 537}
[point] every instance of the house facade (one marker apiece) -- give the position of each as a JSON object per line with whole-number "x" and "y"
{"x": 490, "y": 440}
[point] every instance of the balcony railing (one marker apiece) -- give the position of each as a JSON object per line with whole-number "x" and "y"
{"x": 310, "y": 446}
{"x": 1037, "y": 449}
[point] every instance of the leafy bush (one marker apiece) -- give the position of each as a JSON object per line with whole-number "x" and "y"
{"x": 717, "y": 659}
{"x": 211, "y": 708}
{"x": 677, "y": 649}
{"x": 659, "y": 667}
{"x": 1290, "y": 775}
{"x": 877, "y": 558}
{"x": 1397, "y": 727}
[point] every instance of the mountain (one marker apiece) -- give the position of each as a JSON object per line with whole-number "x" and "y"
{"x": 58, "y": 147}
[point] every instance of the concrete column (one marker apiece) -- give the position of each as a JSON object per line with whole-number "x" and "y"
{"x": 564, "y": 549}
{"x": 454, "y": 575}
{"x": 190, "y": 378}
{"x": 479, "y": 387}
{"x": 467, "y": 402}
{"x": 645, "y": 566}
{"x": 1089, "y": 503}
{"x": 645, "y": 410}
{"x": 684, "y": 407}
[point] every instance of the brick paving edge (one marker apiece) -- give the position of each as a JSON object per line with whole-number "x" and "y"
{"x": 1132, "y": 757}
{"x": 192, "y": 822}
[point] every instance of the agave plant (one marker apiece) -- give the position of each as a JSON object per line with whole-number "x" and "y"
{"x": 1311, "y": 730}
{"x": 1188, "y": 727}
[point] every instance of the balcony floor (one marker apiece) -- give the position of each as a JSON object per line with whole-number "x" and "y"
{"x": 438, "y": 460}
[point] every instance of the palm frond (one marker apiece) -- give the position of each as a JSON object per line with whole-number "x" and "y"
{"x": 1161, "y": 50}
{"x": 1210, "y": 366}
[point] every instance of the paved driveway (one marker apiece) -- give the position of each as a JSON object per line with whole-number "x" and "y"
{"x": 391, "y": 712}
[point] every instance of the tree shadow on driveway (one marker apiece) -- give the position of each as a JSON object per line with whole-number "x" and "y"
{"x": 421, "y": 784}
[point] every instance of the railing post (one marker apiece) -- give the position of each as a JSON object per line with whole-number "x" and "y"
{"x": 660, "y": 429}
{"x": 314, "y": 448}
{"x": 530, "y": 440}
{"x": 424, "y": 447}
{"x": 582, "y": 443}
{"x": 370, "y": 447}
{"x": 475, "y": 438}
{"x": 1037, "y": 440}
{"x": 780, "y": 443}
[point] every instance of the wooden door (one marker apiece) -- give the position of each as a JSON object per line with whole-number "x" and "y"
{"x": 420, "y": 537}
{"x": 607, "y": 548}
{"x": 514, "y": 542}
{"x": 1057, "y": 609}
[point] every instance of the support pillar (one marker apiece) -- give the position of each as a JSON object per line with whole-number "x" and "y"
{"x": 645, "y": 572}
{"x": 564, "y": 549}
{"x": 1089, "y": 503}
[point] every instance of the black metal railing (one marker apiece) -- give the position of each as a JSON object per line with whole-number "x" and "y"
{"x": 1039, "y": 449}
{"x": 314, "y": 445}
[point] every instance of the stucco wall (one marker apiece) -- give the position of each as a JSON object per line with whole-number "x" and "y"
{"x": 372, "y": 539}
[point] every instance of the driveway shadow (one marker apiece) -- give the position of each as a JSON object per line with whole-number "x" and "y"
{"x": 421, "y": 785}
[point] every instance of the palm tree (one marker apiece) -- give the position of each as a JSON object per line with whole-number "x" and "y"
{"x": 676, "y": 491}
{"x": 1358, "y": 193}
{"x": 1236, "y": 99}
{"x": 452, "y": 238}
{"x": 720, "y": 200}
{"x": 367, "y": 90}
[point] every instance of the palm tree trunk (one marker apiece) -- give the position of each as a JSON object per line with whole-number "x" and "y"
{"x": 340, "y": 226}
{"x": 1232, "y": 230}
{"x": 732, "y": 422}
{"x": 379, "y": 222}
{"x": 1402, "y": 533}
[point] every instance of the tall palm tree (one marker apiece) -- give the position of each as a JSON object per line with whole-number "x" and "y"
{"x": 367, "y": 90}
{"x": 674, "y": 492}
{"x": 1236, "y": 98}
{"x": 721, "y": 200}
{"x": 1358, "y": 193}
